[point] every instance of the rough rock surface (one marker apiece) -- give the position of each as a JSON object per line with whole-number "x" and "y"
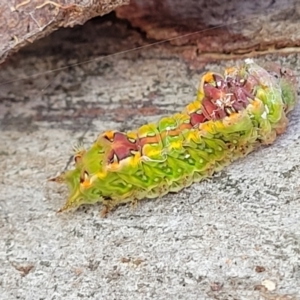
{"x": 254, "y": 27}
{"x": 235, "y": 236}
{"x": 24, "y": 21}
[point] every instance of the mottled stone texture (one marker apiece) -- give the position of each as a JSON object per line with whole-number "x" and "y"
{"x": 234, "y": 236}
{"x": 24, "y": 21}
{"x": 253, "y": 27}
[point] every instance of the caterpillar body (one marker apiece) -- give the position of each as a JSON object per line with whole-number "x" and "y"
{"x": 232, "y": 115}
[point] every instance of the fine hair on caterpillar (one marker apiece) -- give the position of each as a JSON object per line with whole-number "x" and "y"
{"x": 232, "y": 115}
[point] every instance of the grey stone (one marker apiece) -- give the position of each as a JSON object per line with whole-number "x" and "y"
{"x": 229, "y": 237}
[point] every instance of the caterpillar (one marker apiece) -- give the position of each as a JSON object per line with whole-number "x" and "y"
{"x": 231, "y": 116}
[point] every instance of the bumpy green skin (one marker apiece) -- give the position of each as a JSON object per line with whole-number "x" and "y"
{"x": 211, "y": 132}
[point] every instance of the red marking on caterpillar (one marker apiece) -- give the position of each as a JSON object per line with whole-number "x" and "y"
{"x": 232, "y": 115}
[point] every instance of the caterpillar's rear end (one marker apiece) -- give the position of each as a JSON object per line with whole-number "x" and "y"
{"x": 230, "y": 117}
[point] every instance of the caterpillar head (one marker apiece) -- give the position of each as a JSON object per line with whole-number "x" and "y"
{"x": 81, "y": 189}
{"x": 80, "y": 182}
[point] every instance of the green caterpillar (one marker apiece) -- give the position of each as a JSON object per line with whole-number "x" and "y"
{"x": 231, "y": 116}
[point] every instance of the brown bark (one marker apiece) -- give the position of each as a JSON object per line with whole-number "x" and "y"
{"x": 251, "y": 26}
{"x": 24, "y": 21}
